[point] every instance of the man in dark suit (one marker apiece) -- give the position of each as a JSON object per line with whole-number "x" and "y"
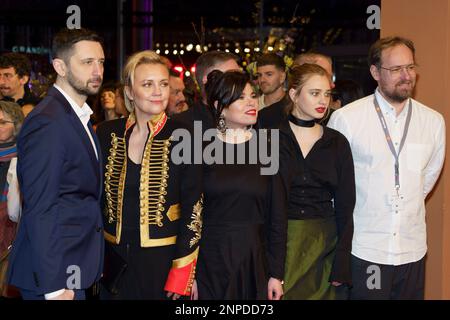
{"x": 58, "y": 251}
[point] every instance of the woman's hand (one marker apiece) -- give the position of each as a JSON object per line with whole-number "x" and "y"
{"x": 174, "y": 296}
{"x": 274, "y": 289}
{"x": 194, "y": 291}
{"x": 336, "y": 284}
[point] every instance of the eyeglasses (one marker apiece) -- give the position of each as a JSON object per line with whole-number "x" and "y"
{"x": 410, "y": 68}
{"x": 5, "y": 122}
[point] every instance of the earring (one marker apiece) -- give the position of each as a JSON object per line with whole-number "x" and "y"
{"x": 221, "y": 125}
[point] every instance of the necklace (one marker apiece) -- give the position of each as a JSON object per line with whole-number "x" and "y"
{"x": 302, "y": 123}
{"x": 235, "y": 136}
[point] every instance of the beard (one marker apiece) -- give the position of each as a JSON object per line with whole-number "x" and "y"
{"x": 399, "y": 94}
{"x": 83, "y": 88}
{"x": 269, "y": 89}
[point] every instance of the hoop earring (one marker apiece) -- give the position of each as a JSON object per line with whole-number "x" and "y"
{"x": 221, "y": 125}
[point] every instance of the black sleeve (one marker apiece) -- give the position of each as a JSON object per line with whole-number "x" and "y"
{"x": 277, "y": 227}
{"x": 344, "y": 203}
{"x": 277, "y": 217}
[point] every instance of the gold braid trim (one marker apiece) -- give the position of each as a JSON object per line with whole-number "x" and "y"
{"x": 196, "y": 223}
{"x": 114, "y": 182}
{"x": 153, "y": 189}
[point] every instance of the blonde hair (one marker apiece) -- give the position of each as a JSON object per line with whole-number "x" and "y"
{"x": 14, "y": 111}
{"x": 142, "y": 57}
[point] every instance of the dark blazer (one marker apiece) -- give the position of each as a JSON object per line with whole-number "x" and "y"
{"x": 197, "y": 112}
{"x": 272, "y": 116}
{"x": 60, "y": 179}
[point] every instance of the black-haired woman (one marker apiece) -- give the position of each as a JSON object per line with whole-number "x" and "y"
{"x": 243, "y": 238}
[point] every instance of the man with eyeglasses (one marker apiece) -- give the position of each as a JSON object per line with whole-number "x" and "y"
{"x": 398, "y": 147}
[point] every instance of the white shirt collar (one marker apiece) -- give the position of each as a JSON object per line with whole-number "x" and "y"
{"x": 83, "y": 113}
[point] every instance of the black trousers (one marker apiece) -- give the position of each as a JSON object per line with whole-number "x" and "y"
{"x": 373, "y": 281}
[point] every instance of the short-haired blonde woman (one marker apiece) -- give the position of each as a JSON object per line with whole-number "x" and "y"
{"x": 11, "y": 118}
{"x": 152, "y": 207}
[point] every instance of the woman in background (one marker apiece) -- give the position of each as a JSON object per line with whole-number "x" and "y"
{"x": 105, "y": 105}
{"x": 11, "y": 118}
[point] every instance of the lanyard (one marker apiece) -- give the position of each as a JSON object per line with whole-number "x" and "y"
{"x": 389, "y": 140}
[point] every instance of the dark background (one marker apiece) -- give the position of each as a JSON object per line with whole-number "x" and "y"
{"x": 336, "y": 28}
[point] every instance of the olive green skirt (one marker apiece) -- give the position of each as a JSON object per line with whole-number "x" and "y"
{"x": 310, "y": 253}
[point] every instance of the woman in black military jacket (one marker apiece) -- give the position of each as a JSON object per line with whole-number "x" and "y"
{"x": 152, "y": 207}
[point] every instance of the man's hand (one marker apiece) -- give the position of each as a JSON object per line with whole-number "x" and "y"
{"x": 336, "y": 284}
{"x": 66, "y": 295}
{"x": 274, "y": 289}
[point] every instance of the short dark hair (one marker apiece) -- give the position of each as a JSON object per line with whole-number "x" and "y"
{"x": 65, "y": 39}
{"x": 18, "y": 61}
{"x": 108, "y": 86}
{"x": 173, "y": 73}
{"x": 207, "y": 61}
{"x": 225, "y": 88}
{"x": 382, "y": 44}
{"x": 311, "y": 57}
{"x": 271, "y": 59}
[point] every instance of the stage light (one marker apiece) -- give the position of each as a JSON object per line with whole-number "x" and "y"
{"x": 189, "y": 47}
{"x": 178, "y": 68}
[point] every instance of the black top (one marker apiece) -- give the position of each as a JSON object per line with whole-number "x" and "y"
{"x": 198, "y": 112}
{"x": 28, "y": 98}
{"x": 322, "y": 185}
{"x": 237, "y": 194}
{"x": 271, "y": 116}
{"x": 130, "y": 216}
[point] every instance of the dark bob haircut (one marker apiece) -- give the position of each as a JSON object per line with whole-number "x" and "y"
{"x": 224, "y": 88}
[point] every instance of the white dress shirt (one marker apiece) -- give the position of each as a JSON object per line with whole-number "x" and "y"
{"x": 84, "y": 114}
{"x": 382, "y": 233}
{"x": 13, "y": 197}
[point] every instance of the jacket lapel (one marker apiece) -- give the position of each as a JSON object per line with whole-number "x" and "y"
{"x": 79, "y": 129}
{"x": 99, "y": 152}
